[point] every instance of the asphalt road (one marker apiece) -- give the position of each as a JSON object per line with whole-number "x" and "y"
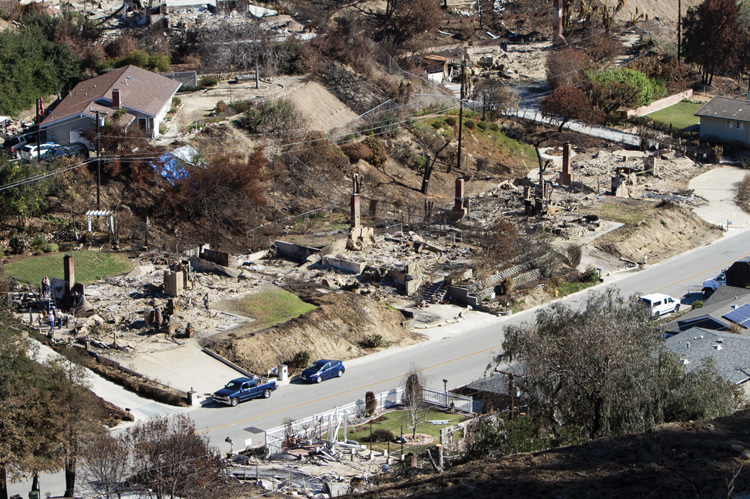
{"x": 459, "y": 353}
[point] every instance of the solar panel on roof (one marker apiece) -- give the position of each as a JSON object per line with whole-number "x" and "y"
{"x": 740, "y": 315}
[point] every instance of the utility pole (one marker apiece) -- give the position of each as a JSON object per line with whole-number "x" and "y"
{"x": 460, "y": 113}
{"x": 511, "y": 391}
{"x": 98, "y": 158}
{"x": 38, "y": 134}
{"x": 679, "y": 30}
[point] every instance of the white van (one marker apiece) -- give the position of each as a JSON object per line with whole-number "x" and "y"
{"x": 660, "y": 304}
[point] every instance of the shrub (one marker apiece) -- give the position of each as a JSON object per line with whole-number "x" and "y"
{"x": 301, "y": 359}
{"x": 87, "y": 237}
{"x": 508, "y": 285}
{"x": 573, "y": 253}
{"x": 379, "y": 154}
{"x": 591, "y": 275}
{"x": 451, "y": 121}
{"x": 38, "y": 242}
{"x": 470, "y": 124}
{"x": 356, "y": 151}
{"x": 374, "y": 341}
{"x": 17, "y": 245}
{"x": 158, "y": 63}
{"x": 278, "y": 116}
{"x": 50, "y": 248}
{"x": 136, "y": 58}
{"x": 371, "y": 405}
{"x": 697, "y": 304}
{"x": 494, "y": 127}
{"x": 176, "y": 101}
{"x": 381, "y": 435}
{"x": 207, "y": 81}
{"x": 221, "y": 106}
{"x": 482, "y": 125}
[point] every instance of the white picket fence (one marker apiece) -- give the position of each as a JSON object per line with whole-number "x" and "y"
{"x": 313, "y": 427}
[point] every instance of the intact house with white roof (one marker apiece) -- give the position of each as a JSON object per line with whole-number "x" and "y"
{"x": 137, "y": 97}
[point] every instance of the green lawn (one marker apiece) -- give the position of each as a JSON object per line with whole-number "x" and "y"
{"x": 90, "y": 266}
{"x": 392, "y": 421}
{"x": 618, "y": 212}
{"x": 679, "y": 116}
{"x": 568, "y": 288}
{"x": 268, "y": 307}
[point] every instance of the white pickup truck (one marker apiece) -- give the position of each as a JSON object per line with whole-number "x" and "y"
{"x": 712, "y": 285}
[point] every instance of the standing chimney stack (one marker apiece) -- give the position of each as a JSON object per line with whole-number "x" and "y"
{"x": 116, "y": 102}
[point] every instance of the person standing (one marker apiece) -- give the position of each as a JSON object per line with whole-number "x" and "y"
{"x": 51, "y": 319}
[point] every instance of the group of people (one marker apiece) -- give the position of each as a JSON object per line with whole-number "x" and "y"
{"x": 54, "y": 318}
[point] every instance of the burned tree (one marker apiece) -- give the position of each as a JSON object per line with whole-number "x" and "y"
{"x": 413, "y": 398}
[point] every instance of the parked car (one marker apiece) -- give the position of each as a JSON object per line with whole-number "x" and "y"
{"x": 13, "y": 145}
{"x": 712, "y": 285}
{"x": 76, "y": 149}
{"x": 660, "y": 304}
{"x": 30, "y": 151}
{"x": 323, "y": 369}
{"x": 241, "y": 389}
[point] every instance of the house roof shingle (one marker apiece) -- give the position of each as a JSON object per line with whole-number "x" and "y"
{"x": 715, "y": 306}
{"x": 140, "y": 90}
{"x": 726, "y": 108}
{"x": 730, "y": 352}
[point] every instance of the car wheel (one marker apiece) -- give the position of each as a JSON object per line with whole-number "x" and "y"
{"x": 267, "y": 394}
{"x": 677, "y": 308}
{"x": 340, "y": 373}
{"x": 319, "y": 379}
{"x": 234, "y": 401}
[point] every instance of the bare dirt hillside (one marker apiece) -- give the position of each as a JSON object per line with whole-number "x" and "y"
{"x": 665, "y": 10}
{"x": 335, "y": 330}
{"x": 321, "y": 110}
{"x": 696, "y": 459}
{"x": 665, "y": 231}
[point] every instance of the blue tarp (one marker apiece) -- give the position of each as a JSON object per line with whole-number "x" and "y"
{"x": 171, "y": 164}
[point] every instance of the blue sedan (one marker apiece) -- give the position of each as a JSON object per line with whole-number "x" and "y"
{"x": 323, "y": 369}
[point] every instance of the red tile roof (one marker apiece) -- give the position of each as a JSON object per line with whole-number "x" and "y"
{"x": 140, "y": 90}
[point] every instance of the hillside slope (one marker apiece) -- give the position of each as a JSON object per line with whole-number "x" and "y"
{"x": 696, "y": 459}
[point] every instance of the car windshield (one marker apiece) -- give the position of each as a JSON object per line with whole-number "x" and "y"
{"x": 318, "y": 365}
{"x": 232, "y": 385}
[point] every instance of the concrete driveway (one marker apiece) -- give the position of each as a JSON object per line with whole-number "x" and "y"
{"x": 719, "y": 188}
{"x": 185, "y": 367}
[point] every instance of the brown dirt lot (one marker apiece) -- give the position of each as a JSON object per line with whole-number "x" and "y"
{"x": 692, "y": 459}
{"x": 334, "y": 330}
{"x": 664, "y": 231}
{"x": 321, "y": 110}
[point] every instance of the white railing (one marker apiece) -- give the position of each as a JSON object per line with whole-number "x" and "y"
{"x": 313, "y": 427}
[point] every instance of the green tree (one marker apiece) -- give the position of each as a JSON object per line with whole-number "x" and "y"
{"x": 614, "y": 89}
{"x": 714, "y": 37}
{"x": 29, "y": 199}
{"x": 33, "y": 64}
{"x": 604, "y": 369}
{"x": 28, "y": 443}
{"x": 75, "y": 415}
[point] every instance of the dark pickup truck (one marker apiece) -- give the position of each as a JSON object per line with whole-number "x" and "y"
{"x": 241, "y": 389}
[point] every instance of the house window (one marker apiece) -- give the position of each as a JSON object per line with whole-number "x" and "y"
{"x": 729, "y": 124}
{"x": 143, "y": 123}
{"x": 740, "y": 125}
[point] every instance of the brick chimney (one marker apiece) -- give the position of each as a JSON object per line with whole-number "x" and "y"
{"x": 116, "y": 102}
